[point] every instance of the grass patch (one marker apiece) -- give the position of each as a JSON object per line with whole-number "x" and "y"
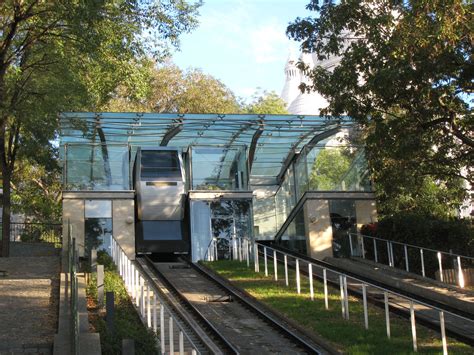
{"x": 127, "y": 322}
{"x": 348, "y": 336}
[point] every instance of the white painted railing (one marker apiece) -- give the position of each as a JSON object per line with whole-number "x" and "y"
{"x": 341, "y": 278}
{"x": 148, "y": 302}
{"x": 415, "y": 257}
{"x": 237, "y": 248}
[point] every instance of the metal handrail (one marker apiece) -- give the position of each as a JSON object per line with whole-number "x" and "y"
{"x": 391, "y": 260}
{"x": 343, "y": 287}
{"x": 136, "y": 283}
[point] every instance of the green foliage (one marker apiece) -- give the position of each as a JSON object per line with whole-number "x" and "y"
{"x": 266, "y": 103}
{"x": 127, "y": 323}
{"x": 71, "y": 56}
{"x": 406, "y": 76}
{"x": 170, "y": 89}
{"x": 329, "y": 169}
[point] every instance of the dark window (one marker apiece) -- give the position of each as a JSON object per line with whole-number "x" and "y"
{"x": 161, "y": 230}
{"x": 160, "y": 164}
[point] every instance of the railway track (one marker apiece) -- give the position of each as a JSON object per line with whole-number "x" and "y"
{"x": 454, "y": 328}
{"x": 230, "y": 320}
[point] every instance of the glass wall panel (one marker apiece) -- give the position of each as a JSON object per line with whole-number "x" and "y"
{"x": 343, "y": 221}
{"x": 294, "y": 237}
{"x": 97, "y": 167}
{"x": 264, "y": 217}
{"x": 218, "y": 168}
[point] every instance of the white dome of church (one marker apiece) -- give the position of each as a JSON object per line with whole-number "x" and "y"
{"x": 298, "y": 103}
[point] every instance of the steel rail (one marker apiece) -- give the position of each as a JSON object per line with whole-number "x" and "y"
{"x": 269, "y": 318}
{"x": 226, "y": 346}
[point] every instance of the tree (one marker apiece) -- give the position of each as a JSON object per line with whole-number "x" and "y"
{"x": 406, "y": 76}
{"x": 266, "y": 103}
{"x": 171, "y": 89}
{"x": 329, "y": 169}
{"x": 63, "y": 55}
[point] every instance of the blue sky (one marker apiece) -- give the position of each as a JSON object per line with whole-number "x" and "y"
{"x": 242, "y": 42}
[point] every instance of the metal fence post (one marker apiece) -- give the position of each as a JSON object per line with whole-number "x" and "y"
{"x": 100, "y": 285}
{"x": 325, "y": 281}
{"x": 171, "y": 337}
{"x": 391, "y": 254}
{"x": 363, "y": 247}
{"x": 298, "y": 281}
{"x": 155, "y": 323}
{"x": 366, "y": 311}
{"x": 346, "y": 297}
{"x": 413, "y": 326}
{"x": 350, "y": 244}
{"x": 440, "y": 263}
{"x": 387, "y": 314}
{"x": 375, "y": 251}
{"x": 460, "y": 274}
{"x": 181, "y": 343}
{"x": 275, "y": 267}
{"x": 255, "y": 253}
{"x": 388, "y": 254}
{"x": 265, "y": 260}
{"x": 148, "y": 305}
{"x": 162, "y": 329}
{"x": 286, "y": 270}
{"x": 343, "y": 303}
{"x": 407, "y": 266}
{"x": 443, "y": 333}
{"x": 310, "y": 271}
{"x": 422, "y": 263}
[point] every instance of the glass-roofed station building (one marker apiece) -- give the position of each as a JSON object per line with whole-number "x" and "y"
{"x": 171, "y": 183}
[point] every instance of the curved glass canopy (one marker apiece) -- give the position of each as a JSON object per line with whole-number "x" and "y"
{"x": 271, "y": 140}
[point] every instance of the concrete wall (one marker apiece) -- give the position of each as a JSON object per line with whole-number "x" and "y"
{"x": 366, "y": 212}
{"x": 122, "y": 217}
{"x": 318, "y": 229}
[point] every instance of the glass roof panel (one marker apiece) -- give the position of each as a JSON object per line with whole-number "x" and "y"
{"x": 274, "y": 136}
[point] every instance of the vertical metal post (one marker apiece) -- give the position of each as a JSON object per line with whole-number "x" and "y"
{"x": 343, "y": 303}
{"x": 255, "y": 256}
{"x": 346, "y": 297}
{"x": 171, "y": 335}
{"x": 387, "y": 314}
{"x": 460, "y": 274}
{"x": 155, "y": 305}
{"x": 310, "y": 271}
{"x": 265, "y": 260}
{"x": 388, "y": 254}
{"x": 443, "y": 333}
{"x": 325, "y": 281}
{"x": 363, "y": 247}
{"x": 286, "y": 270}
{"x": 298, "y": 283}
{"x": 413, "y": 326}
{"x": 366, "y": 311}
{"x": 181, "y": 343}
{"x": 407, "y": 266}
{"x": 142, "y": 299}
{"x": 275, "y": 268}
{"x": 440, "y": 263}
{"x": 422, "y": 263}
{"x": 247, "y": 252}
{"x": 391, "y": 254}
{"x": 350, "y": 244}
{"x": 148, "y": 305}
{"x": 375, "y": 250}
{"x": 162, "y": 329}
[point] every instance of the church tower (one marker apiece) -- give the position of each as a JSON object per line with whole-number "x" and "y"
{"x": 292, "y": 80}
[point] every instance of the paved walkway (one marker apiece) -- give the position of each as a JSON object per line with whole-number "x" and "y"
{"x": 28, "y": 304}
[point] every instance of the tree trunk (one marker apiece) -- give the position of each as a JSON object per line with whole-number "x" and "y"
{"x": 6, "y": 201}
